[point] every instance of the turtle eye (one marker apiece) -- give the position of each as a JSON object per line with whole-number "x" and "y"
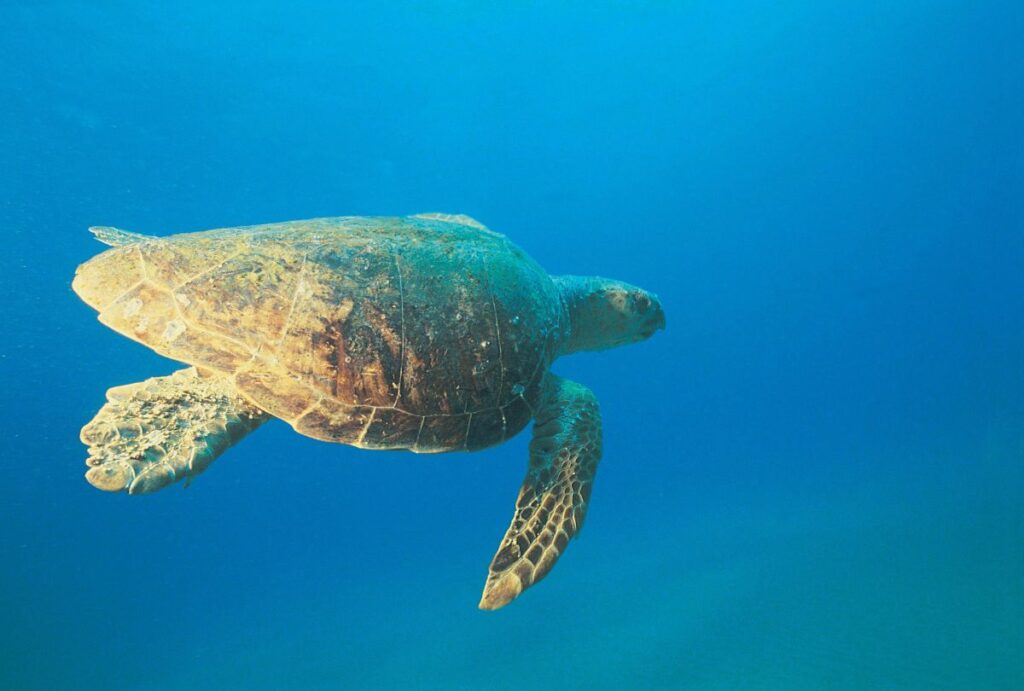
{"x": 642, "y": 303}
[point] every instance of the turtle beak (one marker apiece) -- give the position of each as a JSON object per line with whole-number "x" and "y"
{"x": 656, "y": 322}
{"x": 653, "y": 315}
{"x": 658, "y": 319}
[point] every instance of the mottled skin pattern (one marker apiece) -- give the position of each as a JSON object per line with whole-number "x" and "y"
{"x": 552, "y": 502}
{"x": 429, "y": 333}
{"x": 161, "y": 430}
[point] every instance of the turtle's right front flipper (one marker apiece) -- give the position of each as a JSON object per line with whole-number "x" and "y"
{"x": 161, "y": 430}
{"x": 552, "y": 502}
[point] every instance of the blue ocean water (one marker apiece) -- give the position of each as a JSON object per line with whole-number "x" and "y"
{"x": 814, "y": 478}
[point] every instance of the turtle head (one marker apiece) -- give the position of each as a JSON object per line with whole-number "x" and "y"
{"x": 603, "y": 313}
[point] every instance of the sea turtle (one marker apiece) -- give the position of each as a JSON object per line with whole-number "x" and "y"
{"x": 429, "y": 333}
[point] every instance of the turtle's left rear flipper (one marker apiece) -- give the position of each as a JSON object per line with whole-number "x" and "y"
{"x": 164, "y": 429}
{"x": 552, "y": 502}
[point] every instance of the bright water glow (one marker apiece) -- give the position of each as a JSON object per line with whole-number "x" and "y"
{"x": 814, "y": 478}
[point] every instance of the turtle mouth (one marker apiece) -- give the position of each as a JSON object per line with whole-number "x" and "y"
{"x": 656, "y": 320}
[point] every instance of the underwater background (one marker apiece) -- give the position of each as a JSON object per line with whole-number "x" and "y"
{"x": 813, "y": 478}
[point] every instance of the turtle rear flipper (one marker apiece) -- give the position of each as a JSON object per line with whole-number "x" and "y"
{"x": 552, "y": 503}
{"x": 115, "y": 237}
{"x": 161, "y": 430}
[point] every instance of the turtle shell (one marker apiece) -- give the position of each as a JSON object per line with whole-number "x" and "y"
{"x": 428, "y": 333}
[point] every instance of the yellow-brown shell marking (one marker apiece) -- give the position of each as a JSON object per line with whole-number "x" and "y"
{"x": 430, "y": 334}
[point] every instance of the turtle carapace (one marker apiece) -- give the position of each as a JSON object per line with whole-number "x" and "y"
{"x": 429, "y": 333}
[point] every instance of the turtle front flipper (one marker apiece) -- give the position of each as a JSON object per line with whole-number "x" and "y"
{"x": 161, "y": 430}
{"x": 552, "y": 502}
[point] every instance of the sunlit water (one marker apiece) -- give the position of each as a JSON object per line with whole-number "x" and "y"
{"x": 814, "y": 478}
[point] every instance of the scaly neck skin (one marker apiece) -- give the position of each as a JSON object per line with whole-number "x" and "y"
{"x": 603, "y": 313}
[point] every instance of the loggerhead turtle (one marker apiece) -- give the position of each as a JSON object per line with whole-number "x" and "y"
{"x": 429, "y": 333}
